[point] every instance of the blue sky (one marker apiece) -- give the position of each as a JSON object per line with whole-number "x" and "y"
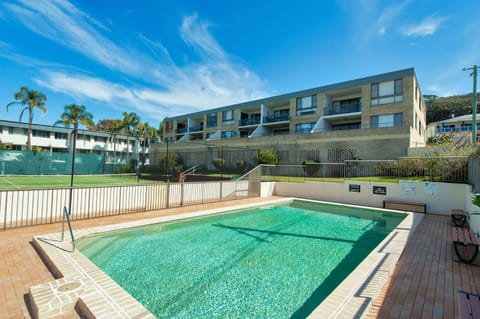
{"x": 166, "y": 58}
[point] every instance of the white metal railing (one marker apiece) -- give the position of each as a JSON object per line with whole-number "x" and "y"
{"x": 28, "y": 207}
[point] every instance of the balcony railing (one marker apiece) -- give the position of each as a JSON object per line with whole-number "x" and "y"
{"x": 307, "y": 111}
{"x": 251, "y": 121}
{"x": 276, "y": 118}
{"x": 196, "y": 128}
{"x": 181, "y": 130}
{"x": 447, "y": 129}
{"x": 343, "y": 109}
{"x": 303, "y": 130}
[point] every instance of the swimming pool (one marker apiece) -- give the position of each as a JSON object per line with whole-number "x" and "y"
{"x": 274, "y": 261}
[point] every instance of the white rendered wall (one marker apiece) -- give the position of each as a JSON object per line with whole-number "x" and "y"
{"x": 439, "y": 197}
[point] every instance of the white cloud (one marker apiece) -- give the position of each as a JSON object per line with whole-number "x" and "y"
{"x": 428, "y": 26}
{"x": 196, "y": 34}
{"x": 215, "y": 79}
{"x": 388, "y": 16}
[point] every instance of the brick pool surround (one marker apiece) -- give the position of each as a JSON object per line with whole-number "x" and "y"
{"x": 82, "y": 286}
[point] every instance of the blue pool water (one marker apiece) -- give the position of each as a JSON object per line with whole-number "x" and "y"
{"x": 269, "y": 262}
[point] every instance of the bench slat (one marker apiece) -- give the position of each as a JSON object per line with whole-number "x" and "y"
{"x": 464, "y": 309}
{"x": 388, "y": 203}
{"x": 475, "y": 305}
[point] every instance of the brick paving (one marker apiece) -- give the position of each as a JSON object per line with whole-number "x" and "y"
{"x": 423, "y": 285}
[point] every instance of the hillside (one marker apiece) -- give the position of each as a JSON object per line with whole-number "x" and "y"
{"x": 441, "y": 108}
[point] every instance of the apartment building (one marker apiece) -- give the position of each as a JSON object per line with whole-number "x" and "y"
{"x": 376, "y": 117}
{"x": 13, "y": 135}
{"x": 459, "y": 127}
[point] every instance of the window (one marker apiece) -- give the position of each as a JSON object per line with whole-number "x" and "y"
{"x": 10, "y": 130}
{"x": 387, "y": 120}
{"x": 281, "y": 115}
{"x": 306, "y": 105}
{"x": 228, "y": 134}
{"x": 100, "y": 139}
{"x": 39, "y": 133}
{"x": 60, "y": 136}
{"x": 227, "y": 117}
{"x": 212, "y": 120}
{"x": 386, "y": 92}
{"x": 304, "y": 128}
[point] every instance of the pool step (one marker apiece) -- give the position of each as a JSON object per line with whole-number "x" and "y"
{"x": 55, "y": 298}
{"x": 81, "y": 288}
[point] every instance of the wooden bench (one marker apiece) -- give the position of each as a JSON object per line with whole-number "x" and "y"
{"x": 459, "y": 218}
{"x": 468, "y": 305}
{"x": 406, "y": 206}
{"x": 465, "y": 244}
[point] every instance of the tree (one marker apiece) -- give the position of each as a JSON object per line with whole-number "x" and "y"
{"x": 29, "y": 99}
{"x": 130, "y": 124}
{"x": 442, "y": 108}
{"x": 114, "y": 128}
{"x": 75, "y": 115}
{"x": 145, "y": 134}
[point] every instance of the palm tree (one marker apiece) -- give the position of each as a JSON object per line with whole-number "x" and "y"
{"x": 29, "y": 99}
{"x": 130, "y": 125}
{"x": 145, "y": 133}
{"x": 114, "y": 128}
{"x": 76, "y": 115}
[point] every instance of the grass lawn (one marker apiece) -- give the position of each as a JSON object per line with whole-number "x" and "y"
{"x": 46, "y": 181}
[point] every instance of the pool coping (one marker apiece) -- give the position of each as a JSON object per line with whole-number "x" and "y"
{"x": 82, "y": 286}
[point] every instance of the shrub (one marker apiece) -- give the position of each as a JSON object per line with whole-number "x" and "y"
{"x": 311, "y": 167}
{"x": 240, "y": 164}
{"x": 124, "y": 168}
{"x": 173, "y": 163}
{"x": 440, "y": 139}
{"x": 476, "y": 200}
{"x": 267, "y": 156}
{"x": 218, "y": 163}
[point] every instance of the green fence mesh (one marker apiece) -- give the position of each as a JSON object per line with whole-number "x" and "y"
{"x": 55, "y": 163}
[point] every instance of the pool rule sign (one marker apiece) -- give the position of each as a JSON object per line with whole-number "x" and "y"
{"x": 380, "y": 190}
{"x": 354, "y": 188}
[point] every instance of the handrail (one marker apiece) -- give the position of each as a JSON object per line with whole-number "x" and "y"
{"x": 66, "y": 214}
{"x": 187, "y": 172}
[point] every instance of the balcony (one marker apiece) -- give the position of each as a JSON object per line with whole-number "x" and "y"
{"x": 303, "y": 130}
{"x": 276, "y": 118}
{"x": 449, "y": 129}
{"x": 343, "y": 109}
{"x": 181, "y": 130}
{"x": 250, "y": 121}
{"x": 307, "y": 111}
{"x": 196, "y": 128}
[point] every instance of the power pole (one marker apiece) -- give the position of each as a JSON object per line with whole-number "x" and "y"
{"x": 474, "y": 102}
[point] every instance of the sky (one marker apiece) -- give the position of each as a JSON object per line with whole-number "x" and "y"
{"x": 166, "y": 58}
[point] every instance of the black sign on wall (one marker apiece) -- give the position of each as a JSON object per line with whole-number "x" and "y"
{"x": 380, "y": 190}
{"x": 354, "y": 188}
